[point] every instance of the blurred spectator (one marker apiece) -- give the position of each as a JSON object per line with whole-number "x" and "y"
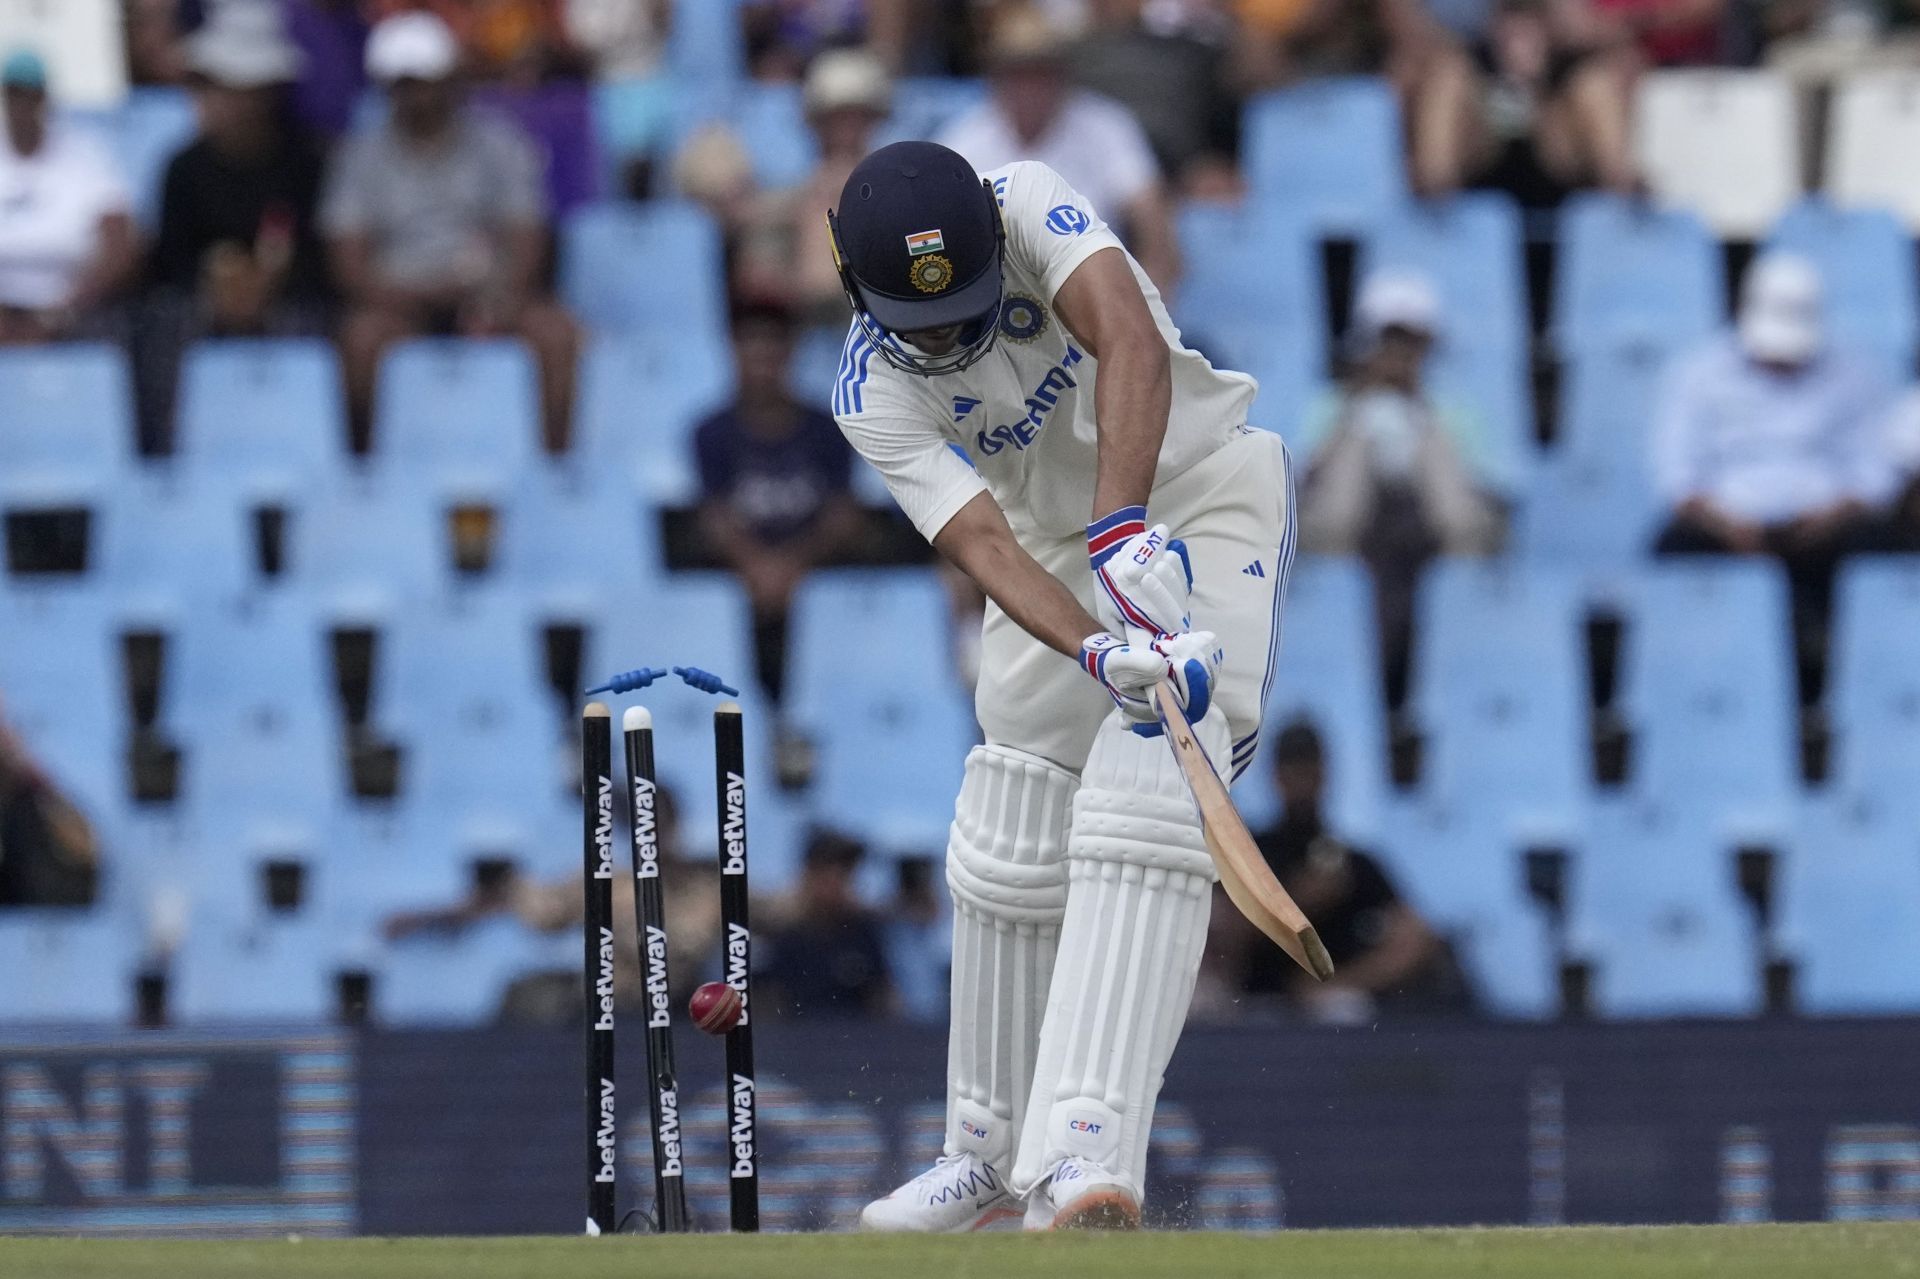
{"x": 48, "y": 854}
{"x": 1901, "y": 530}
{"x": 1034, "y": 113}
{"x": 1285, "y": 41}
{"x": 825, "y": 954}
{"x": 332, "y": 39}
{"x": 154, "y": 30}
{"x": 1176, "y": 86}
{"x": 67, "y": 245}
{"x": 1668, "y": 33}
{"x": 1390, "y": 468}
{"x": 1532, "y": 112}
{"x": 1384, "y": 955}
{"x": 625, "y": 43}
{"x": 782, "y": 36}
{"x": 919, "y": 941}
{"x": 1769, "y": 441}
{"x": 499, "y": 37}
{"x": 557, "y": 906}
{"x": 437, "y": 224}
{"x": 847, "y": 96}
{"x": 239, "y": 252}
{"x": 713, "y": 170}
{"x": 776, "y": 484}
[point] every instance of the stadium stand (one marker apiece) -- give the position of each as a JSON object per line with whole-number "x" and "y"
{"x": 1326, "y": 152}
{"x": 1866, "y": 262}
{"x": 1873, "y": 125}
{"x": 1722, "y": 144}
{"x": 1631, "y": 274}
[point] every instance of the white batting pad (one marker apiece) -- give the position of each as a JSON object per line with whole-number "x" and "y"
{"x": 1006, "y": 867}
{"x": 1139, "y": 893}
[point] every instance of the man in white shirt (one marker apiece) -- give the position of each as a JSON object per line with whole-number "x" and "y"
{"x": 1768, "y": 441}
{"x": 1034, "y": 113}
{"x": 66, "y": 221}
{"x": 1012, "y": 374}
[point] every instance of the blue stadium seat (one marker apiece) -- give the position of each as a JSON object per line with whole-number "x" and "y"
{"x": 924, "y": 105}
{"x": 1591, "y": 506}
{"x": 251, "y": 700}
{"x": 463, "y": 688}
{"x": 1250, "y": 299}
{"x": 167, "y": 559}
{"x": 1875, "y": 682}
{"x": 650, "y": 269}
{"x": 894, "y": 726}
{"x": 359, "y": 555}
{"x": 769, "y": 121}
{"x": 257, "y": 965}
{"x": 706, "y": 47}
{"x": 260, "y": 419}
{"x": 1848, "y": 895}
{"x": 1707, "y": 688}
{"x": 572, "y": 535}
{"x": 456, "y": 418}
{"x": 459, "y": 978}
{"x": 67, "y": 966}
{"x": 61, "y": 689}
{"x": 1463, "y": 871}
{"x": 149, "y": 128}
{"x": 1866, "y": 259}
{"x": 1655, "y": 906}
{"x": 1329, "y": 150}
{"x": 1634, "y": 274}
{"x": 1499, "y": 688}
{"x": 1329, "y": 671}
{"x": 67, "y": 432}
{"x": 640, "y": 401}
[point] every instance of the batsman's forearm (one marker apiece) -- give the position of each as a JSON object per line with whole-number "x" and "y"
{"x": 980, "y": 544}
{"x": 1131, "y": 400}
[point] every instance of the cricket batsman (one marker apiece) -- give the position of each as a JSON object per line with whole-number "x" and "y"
{"x": 1013, "y": 374}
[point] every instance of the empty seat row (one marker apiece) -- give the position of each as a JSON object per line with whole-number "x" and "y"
{"x": 1723, "y": 144}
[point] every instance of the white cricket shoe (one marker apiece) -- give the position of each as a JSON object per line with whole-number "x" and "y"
{"x": 1081, "y": 1195}
{"x": 961, "y": 1192}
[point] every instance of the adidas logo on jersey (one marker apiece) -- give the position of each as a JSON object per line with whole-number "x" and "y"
{"x": 1255, "y": 569}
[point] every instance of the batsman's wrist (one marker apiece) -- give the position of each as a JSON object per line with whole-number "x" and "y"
{"x": 1111, "y": 531}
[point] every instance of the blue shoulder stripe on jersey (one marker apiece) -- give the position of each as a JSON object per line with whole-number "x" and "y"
{"x": 860, "y": 377}
{"x": 846, "y": 370}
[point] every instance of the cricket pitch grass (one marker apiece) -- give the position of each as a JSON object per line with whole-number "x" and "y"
{"x": 1672, "y": 1252}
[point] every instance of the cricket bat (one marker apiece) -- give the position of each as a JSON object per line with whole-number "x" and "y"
{"x": 1244, "y": 873}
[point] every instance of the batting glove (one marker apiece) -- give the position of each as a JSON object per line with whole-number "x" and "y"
{"x": 1144, "y": 576}
{"x": 1188, "y": 660}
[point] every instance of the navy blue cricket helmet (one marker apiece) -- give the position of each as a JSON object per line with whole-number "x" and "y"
{"x": 919, "y": 245}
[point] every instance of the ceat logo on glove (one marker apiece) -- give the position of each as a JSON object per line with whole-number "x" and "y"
{"x": 1083, "y": 1125}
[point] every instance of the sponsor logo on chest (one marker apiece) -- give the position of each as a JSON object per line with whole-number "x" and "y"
{"x": 1040, "y": 403}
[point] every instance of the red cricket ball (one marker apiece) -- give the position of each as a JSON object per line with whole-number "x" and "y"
{"x": 715, "y": 1007}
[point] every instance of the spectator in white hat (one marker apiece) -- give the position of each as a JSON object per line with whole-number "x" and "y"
{"x": 1770, "y": 440}
{"x": 67, "y": 245}
{"x": 437, "y": 223}
{"x": 847, "y": 94}
{"x": 239, "y": 252}
{"x": 1393, "y": 473}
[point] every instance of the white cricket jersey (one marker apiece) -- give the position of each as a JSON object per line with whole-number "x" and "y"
{"x": 1024, "y": 413}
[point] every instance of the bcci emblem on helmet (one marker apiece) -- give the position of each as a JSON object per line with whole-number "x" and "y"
{"x": 931, "y": 273}
{"x": 1021, "y": 318}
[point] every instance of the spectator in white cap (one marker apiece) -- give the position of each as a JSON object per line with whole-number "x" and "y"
{"x": 239, "y": 252}
{"x": 66, "y": 219}
{"x": 437, "y": 224}
{"x": 846, "y": 95}
{"x": 1393, "y": 473}
{"x": 1770, "y": 440}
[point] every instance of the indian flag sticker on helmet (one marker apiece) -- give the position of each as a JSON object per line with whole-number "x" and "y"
{"x": 925, "y": 242}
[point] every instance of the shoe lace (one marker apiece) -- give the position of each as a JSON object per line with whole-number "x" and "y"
{"x": 953, "y": 1175}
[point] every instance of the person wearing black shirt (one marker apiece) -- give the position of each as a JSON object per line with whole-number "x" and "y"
{"x": 238, "y": 253}
{"x": 1383, "y": 953}
{"x": 827, "y": 957}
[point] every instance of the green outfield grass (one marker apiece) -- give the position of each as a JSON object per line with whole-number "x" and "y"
{"x": 1738, "y": 1252}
